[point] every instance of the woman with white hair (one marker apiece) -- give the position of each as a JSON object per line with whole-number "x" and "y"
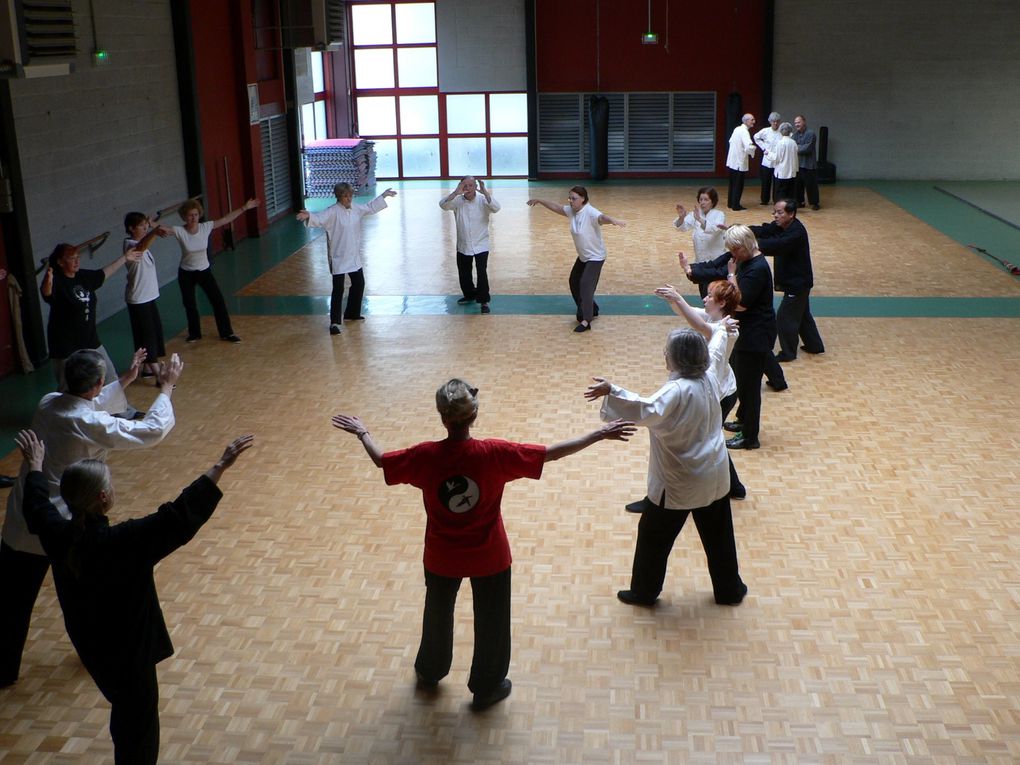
{"x": 785, "y": 163}
{"x": 688, "y": 471}
{"x": 462, "y": 480}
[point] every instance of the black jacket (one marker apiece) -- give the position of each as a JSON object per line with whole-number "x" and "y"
{"x": 792, "y": 251}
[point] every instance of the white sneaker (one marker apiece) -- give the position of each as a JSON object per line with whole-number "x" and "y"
{"x": 336, "y": 329}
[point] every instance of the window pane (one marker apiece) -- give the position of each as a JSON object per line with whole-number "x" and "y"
{"x": 417, "y": 67}
{"x": 467, "y": 157}
{"x": 377, "y": 115}
{"x": 320, "y": 120}
{"x": 372, "y": 24}
{"x": 386, "y": 159}
{"x": 419, "y": 115}
{"x": 465, "y": 114}
{"x": 373, "y": 68}
{"x": 318, "y": 82}
{"x": 416, "y": 23}
{"x": 508, "y": 112}
{"x": 307, "y": 123}
{"x": 421, "y": 157}
{"x": 510, "y": 156}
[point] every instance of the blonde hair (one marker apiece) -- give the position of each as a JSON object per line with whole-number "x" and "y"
{"x": 740, "y": 236}
{"x": 457, "y": 402}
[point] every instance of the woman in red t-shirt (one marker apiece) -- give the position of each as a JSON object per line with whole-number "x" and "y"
{"x": 461, "y": 479}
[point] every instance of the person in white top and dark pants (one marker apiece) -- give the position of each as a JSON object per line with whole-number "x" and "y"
{"x": 765, "y": 139}
{"x": 741, "y": 149}
{"x": 471, "y": 213}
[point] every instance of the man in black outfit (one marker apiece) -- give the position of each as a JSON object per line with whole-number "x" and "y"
{"x": 757, "y": 317}
{"x": 786, "y": 240}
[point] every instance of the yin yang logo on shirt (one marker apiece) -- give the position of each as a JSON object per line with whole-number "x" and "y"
{"x": 81, "y": 294}
{"x": 459, "y": 494}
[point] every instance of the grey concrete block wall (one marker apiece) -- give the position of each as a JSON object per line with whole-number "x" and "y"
{"x": 106, "y": 139}
{"x": 908, "y": 89}
{"x": 481, "y": 45}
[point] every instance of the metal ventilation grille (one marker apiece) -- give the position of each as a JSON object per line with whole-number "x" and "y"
{"x": 652, "y": 132}
{"x": 275, "y": 166}
{"x": 694, "y": 132}
{"x": 48, "y": 30}
{"x": 336, "y": 19}
{"x": 559, "y": 132}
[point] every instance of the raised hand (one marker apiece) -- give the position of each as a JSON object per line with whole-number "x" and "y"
{"x": 389, "y": 193}
{"x": 170, "y": 372}
{"x": 349, "y": 423}
{"x": 599, "y": 388}
{"x": 618, "y": 430}
{"x": 32, "y": 449}
{"x": 234, "y": 449}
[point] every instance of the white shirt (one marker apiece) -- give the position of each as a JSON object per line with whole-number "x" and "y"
{"x": 343, "y": 232}
{"x": 472, "y": 222}
{"x": 586, "y": 232}
{"x": 707, "y": 236}
{"x": 142, "y": 282}
{"x": 784, "y": 158}
{"x": 719, "y": 349}
{"x": 194, "y": 247}
{"x": 766, "y": 138}
{"x": 687, "y": 459}
{"x": 741, "y": 147}
{"x": 75, "y": 429}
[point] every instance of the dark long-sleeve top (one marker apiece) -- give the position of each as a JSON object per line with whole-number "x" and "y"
{"x": 792, "y": 251}
{"x": 111, "y": 609}
{"x": 754, "y": 278}
{"x": 806, "y": 142}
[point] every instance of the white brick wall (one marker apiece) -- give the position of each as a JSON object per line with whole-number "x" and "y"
{"x": 908, "y": 89}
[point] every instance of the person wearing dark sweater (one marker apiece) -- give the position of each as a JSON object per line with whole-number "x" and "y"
{"x": 103, "y": 575}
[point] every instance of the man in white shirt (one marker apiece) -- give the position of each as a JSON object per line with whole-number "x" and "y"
{"x": 342, "y": 223}
{"x": 75, "y": 425}
{"x": 471, "y": 213}
{"x": 741, "y": 148}
{"x": 766, "y": 139}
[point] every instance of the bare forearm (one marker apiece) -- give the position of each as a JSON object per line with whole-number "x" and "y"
{"x": 574, "y": 445}
{"x": 692, "y": 317}
{"x": 111, "y": 268}
{"x": 371, "y": 448}
{"x": 230, "y": 217}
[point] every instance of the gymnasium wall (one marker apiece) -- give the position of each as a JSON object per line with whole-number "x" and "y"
{"x": 481, "y": 45}
{"x": 908, "y": 89}
{"x": 105, "y": 139}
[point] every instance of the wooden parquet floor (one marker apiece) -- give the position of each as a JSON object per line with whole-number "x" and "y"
{"x": 879, "y": 538}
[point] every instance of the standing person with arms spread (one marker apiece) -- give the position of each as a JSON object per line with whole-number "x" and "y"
{"x": 104, "y": 579}
{"x": 462, "y": 480}
{"x": 471, "y": 213}
{"x": 342, "y": 223}
{"x": 741, "y": 149}
{"x": 586, "y": 230}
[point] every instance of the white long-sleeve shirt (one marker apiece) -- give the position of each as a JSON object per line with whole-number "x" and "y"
{"x": 784, "y": 158}
{"x": 687, "y": 460}
{"x": 741, "y": 147}
{"x": 472, "y": 219}
{"x": 343, "y": 232}
{"x": 707, "y": 236}
{"x": 766, "y": 138}
{"x": 73, "y": 428}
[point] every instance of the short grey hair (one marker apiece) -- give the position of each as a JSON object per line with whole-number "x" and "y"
{"x": 687, "y": 353}
{"x": 786, "y": 129}
{"x": 84, "y": 370}
{"x": 740, "y": 236}
{"x": 457, "y": 402}
{"x": 775, "y": 117}
{"x": 343, "y": 188}
{"x": 747, "y": 118}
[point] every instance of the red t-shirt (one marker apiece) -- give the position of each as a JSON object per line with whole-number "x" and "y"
{"x": 462, "y": 485}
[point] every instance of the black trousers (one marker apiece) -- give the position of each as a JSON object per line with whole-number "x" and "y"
{"x": 794, "y": 320}
{"x": 748, "y": 368}
{"x": 584, "y": 278}
{"x": 187, "y": 281}
{"x": 786, "y": 188}
{"x": 766, "y": 175}
{"x": 147, "y": 330}
{"x": 658, "y": 530}
{"x": 354, "y": 299}
{"x": 134, "y": 715}
{"x": 726, "y": 405}
{"x": 491, "y": 601}
{"x": 467, "y": 286}
{"x": 736, "y": 188}
{"x": 21, "y": 576}
{"x": 807, "y": 181}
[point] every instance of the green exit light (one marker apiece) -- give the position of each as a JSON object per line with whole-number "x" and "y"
{"x": 649, "y": 38}
{"x": 100, "y": 55}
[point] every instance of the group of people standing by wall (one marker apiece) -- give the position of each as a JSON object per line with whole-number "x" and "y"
{"x": 789, "y": 161}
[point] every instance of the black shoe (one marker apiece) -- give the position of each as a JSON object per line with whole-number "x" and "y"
{"x": 465, "y": 301}
{"x": 816, "y": 207}
{"x": 733, "y": 427}
{"x": 813, "y": 353}
{"x": 231, "y": 339}
{"x": 628, "y": 597}
{"x": 425, "y": 683}
{"x": 777, "y": 386}
{"x": 733, "y": 601}
{"x": 354, "y": 318}
{"x": 738, "y": 492}
{"x": 637, "y": 507}
{"x": 192, "y": 338}
{"x": 582, "y": 327}
{"x": 482, "y": 702}
{"x": 782, "y": 358}
{"x": 335, "y": 329}
{"x": 739, "y": 442}
{"x": 485, "y": 308}
{"x": 738, "y": 208}
{"x": 6, "y": 481}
